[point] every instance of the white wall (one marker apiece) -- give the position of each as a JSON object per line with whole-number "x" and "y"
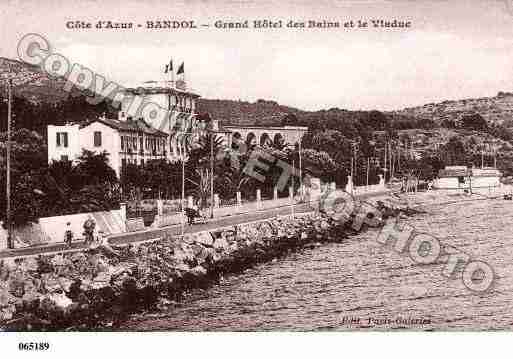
{"x": 54, "y": 227}
{"x": 476, "y": 182}
{"x": 448, "y": 183}
{"x": 72, "y": 151}
{"x": 111, "y": 142}
{"x": 164, "y": 100}
{"x": 485, "y": 182}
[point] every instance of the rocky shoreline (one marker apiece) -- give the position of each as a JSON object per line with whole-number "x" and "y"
{"x": 98, "y": 289}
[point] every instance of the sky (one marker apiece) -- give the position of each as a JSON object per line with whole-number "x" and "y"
{"x": 454, "y": 49}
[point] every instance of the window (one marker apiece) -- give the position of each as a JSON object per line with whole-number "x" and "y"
{"x": 97, "y": 138}
{"x": 123, "y": 163}
{"x": 64, "y": 158}
{"x": 62, "y": 139}
{"x": 142, "y": 162}
{"x": 122, "y": 143}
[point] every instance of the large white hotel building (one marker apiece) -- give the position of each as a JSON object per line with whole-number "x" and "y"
{"x": 137, "y": 139}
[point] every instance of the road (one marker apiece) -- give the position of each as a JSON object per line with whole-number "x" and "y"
{"x": 153, "y": 233}
{"x": 175, "y": 230}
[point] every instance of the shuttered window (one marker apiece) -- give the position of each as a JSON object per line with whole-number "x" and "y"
{"x": 97, "y": 138}
{"x": 62, "y": 139}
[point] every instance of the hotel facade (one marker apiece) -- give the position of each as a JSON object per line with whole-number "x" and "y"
{"x": 134, "y": 137}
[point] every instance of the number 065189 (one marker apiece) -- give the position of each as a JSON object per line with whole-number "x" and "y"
{"x": 34, "y": 346}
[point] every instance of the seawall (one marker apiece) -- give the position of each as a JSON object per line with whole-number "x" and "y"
{"x": 99, "y": 288}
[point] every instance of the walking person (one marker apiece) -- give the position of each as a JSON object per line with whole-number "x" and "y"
{"x": 89, "y": 228}
{"x": 68, "y": 234}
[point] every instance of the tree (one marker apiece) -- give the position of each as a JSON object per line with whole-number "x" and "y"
{"x": 453, "y": 152}
{"x": 93, "y": 169}
{"x": 289, "y": 120}
{"x": 318, "y": 164}
{"x": 474, "y": 122}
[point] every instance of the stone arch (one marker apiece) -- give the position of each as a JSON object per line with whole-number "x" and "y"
{"x": 265, "y": 139}
{"x": 278, "y": 140}
{"x": 250, "y": 139}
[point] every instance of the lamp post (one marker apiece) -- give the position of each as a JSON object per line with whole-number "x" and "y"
{"x": 300, "y": 172}
{"x": 10, "y": 85}
{"x": 212, "y": 174}
{"x": 10, "y": 243}
{"x": 292, "y": 199}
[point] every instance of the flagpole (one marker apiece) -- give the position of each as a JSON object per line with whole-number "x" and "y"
{"x": 172, "y": 75}
{"x": 300, "y": 171}
{"x": 183, "y": 186}
{"x": 386, "y": 145}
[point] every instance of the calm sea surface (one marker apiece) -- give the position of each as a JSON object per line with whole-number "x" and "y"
{"x": 363, "y": 285}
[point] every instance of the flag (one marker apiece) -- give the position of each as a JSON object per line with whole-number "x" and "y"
{"x": 169, "y": 67}
{"x": 181, "y": 69}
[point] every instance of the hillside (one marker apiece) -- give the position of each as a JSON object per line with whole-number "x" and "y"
{"x": 496, "y": 110}
{"x": 245, "y": 113}
{"x": 31, "y": 83}
{"x": 46, "y": 96}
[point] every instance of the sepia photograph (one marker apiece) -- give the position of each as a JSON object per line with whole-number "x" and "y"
{"x": 243, "y": 166}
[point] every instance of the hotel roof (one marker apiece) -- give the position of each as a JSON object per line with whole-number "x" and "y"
{"x": 159, "y": 87}
{"x": 128, "y": 126}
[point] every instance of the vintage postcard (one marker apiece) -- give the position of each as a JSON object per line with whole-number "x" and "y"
{"x": 250, "y": 166}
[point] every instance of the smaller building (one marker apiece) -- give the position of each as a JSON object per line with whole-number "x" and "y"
{"x": 126, "y": 141}
{"x": 461, "y": 177}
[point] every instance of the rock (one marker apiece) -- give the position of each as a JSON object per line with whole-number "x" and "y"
{"x": 86, "y": 284}
{"x": 78, "y": 257}
{"x": 182, "y": 267}
{"x": 119, "y": 269}
{"x": 203, "y": 254}
{"x": 204, "y": 238}
{"x": 119, "y": 279}
{"x": 29, "y": 264}
{"x": 6, "y": 298}
{"x": 31, "y": 291}
{"x": 198, "y": 271}
{"x": 164, "y": 303}
{"x": 57, "y": 260}
{"x": 60, "y": 300}
{"x": 102, "y": 280}
{"x": 7, "y": 312}
{"x": 31, "y": 296}
{"x": 50, "y": 282}
{"x": 221, "y": 244}
{"x": 65, "y": 283}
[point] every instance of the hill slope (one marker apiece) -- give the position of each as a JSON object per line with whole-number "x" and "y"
{"x": 31, "y": 83}
{"x": 497, "y": 109}
{"x": 38, "y": 89}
